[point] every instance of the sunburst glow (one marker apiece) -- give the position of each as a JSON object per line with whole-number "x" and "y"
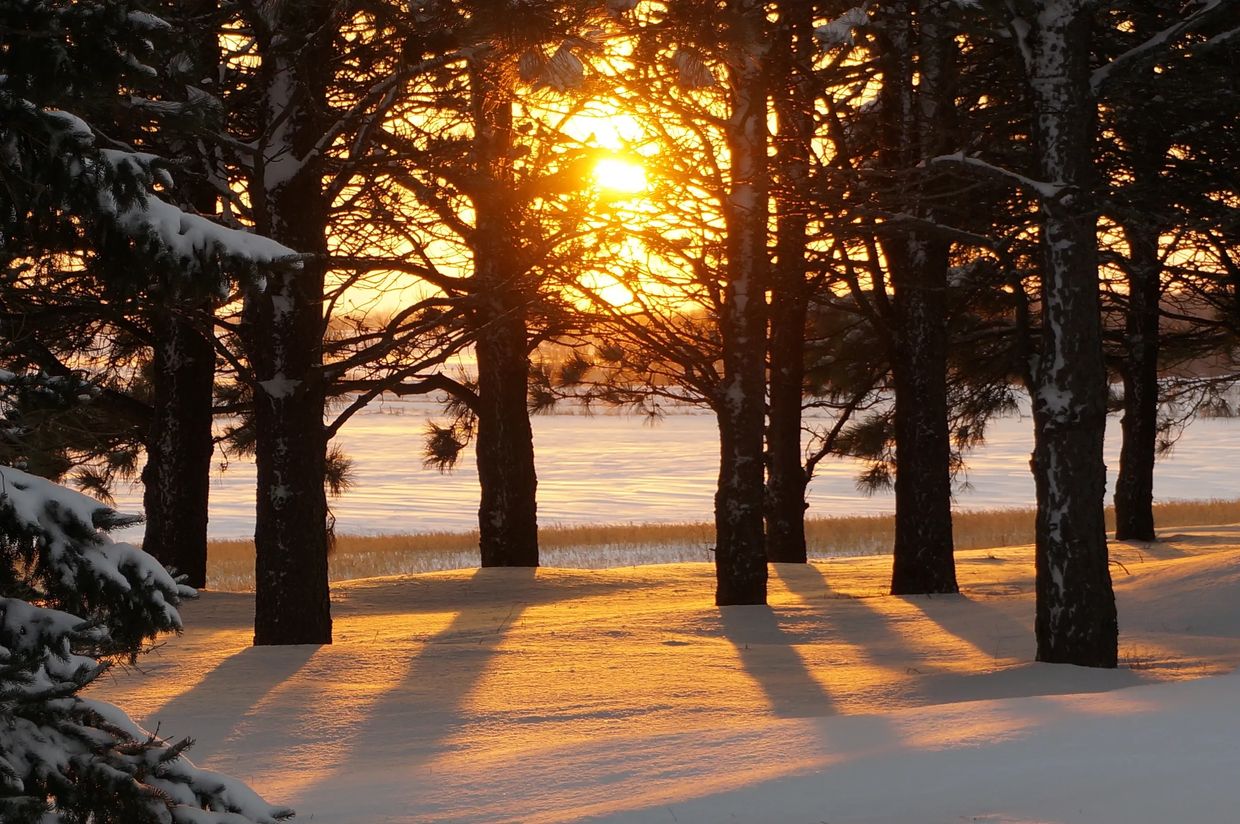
{"x": 621, "y": 176}
{"x": 601, "y": 286}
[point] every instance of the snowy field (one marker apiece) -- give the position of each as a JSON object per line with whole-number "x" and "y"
{"x": 619, "y": 469}
{"x": 626, "y": 695}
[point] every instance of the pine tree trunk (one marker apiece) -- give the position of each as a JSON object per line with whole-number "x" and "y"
{"x": 291, "y": 603}
{"x": 923, "y": 555}
{"x": 1075, "y": 616}
{"x": 918, "y": 125}
{"x": 508, "y": 512}
{"x": 176, "y": 478}
{"x": 284, "y": 340}
{"x": 1134, "y": 490}
{"x": 740, "y": 552}
{"x": 507, "y": 515}
{"x": 790, "y": 293}
{"x": 1147, "y": 150}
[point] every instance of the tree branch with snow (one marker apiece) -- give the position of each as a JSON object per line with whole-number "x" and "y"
{"x": 71, "y": 599}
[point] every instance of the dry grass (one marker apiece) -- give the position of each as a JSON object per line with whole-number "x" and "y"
{"x": 231, "y": 563}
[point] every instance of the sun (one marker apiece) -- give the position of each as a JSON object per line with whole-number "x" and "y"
{"x": 619, "y": 176}
{"x": 600, "y": 286}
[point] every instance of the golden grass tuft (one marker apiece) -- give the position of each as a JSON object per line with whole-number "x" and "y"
{"x": 231, "y": 563}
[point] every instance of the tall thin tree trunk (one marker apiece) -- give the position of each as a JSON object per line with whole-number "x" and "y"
{"x": 176, "y": 478}
{"x": 1142, "y": 226}
{"x": 1134, "y": 489}
{"x": 284, "y": 338}
{"x": 1075, "y": 616}
{"x": 923, "y": 555}
{"x": 508, "y": 513}
{"x": 291, "y": 604}
{"x": 790, "y": 292}
{"x": 740, "y": 552}
{"x": 919, "y": 119}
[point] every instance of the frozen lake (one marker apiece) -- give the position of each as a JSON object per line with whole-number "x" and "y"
{"x": 615, "y": 468}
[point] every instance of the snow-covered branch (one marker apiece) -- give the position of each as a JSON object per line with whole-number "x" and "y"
{"x": 1150, "y": 47}
{"x": 64, "y": 758}
{"x": 188, "y": 236}
{"x": 841, "y": 31}
{"x": 1042, "y": 188}
{"x": 144, "y": 215}
{"x": 1020, "y": 31}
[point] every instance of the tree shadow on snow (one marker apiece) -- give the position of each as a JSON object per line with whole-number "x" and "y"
{"x": 230, "y": 691}
{"x": 846, "y": 618}
{"x": 493, "y": 587}
{"x": 984, "y": 624}
{"x": 770, "y": 658}
{"x": 428, "y": 697}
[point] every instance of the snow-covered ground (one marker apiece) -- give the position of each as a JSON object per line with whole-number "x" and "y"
{"x": 612, "y": 468}
{"x": 626, "y": 695}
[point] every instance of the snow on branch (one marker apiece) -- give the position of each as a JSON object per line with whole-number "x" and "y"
{"x": 70, "y": 598}
{"x": 188, "y": 236}
{"x": 841, "y": 30}
{"x": 1020, "y": 30}
{"x": 1044, "y": 190}
{"x": 1220, "y": 39}
{"x": 1103, "y": 74}
{"x": 81, "y": 563}
{"x": 183, "y": 235}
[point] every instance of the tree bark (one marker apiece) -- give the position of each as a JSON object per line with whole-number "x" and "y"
{"x": 923, "y": 554}
{"x": 176, "y": 478}
{"x": 740, "y": 552}
{"x": 1075, "y": 616}
{"x": 918, "y": 126}
{"x": 284, "y": 338}
{"x": 508, "y": 512}
{"x": 1146, "y": 147}
{"x": 1134, "y": 489}
{"x": 790, "y": 292}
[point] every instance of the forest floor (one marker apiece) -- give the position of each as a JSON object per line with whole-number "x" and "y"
{"x": 626, "y": 695}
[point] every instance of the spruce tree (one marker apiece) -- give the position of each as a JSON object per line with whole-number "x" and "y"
{"x": 71, "y": 602}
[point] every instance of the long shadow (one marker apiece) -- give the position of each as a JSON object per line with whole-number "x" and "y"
{"x": 767, "y": 654}
{"x": 870, "y": 628}
{"x": 430, "y": 691}
{"x": 236, "y": 685}
{"x": 429, "y": 695}
{"x": 894, "y": 637}
{"x": 1163, "y": 545}
{"x": 433, "y": 593}
{"x": 982, "y": 623}
{"x": 806, "y": 581}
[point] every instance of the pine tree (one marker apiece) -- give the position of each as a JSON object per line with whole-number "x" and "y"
{"x": 94, "y": 245}
{"x": 523, "y": 189}
{"x": 793, "y": 93}
{"x": 918, "y": 120}
{"x": 71, "y": 602}
{"x": 180, "y": 439}
{"x": 282, "y": 322}
{"x": 740, "y": 550}
{"x": 1160, "y": 181}
{"x": 1076, "y": 618}
{"x": 695, "y": 329}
